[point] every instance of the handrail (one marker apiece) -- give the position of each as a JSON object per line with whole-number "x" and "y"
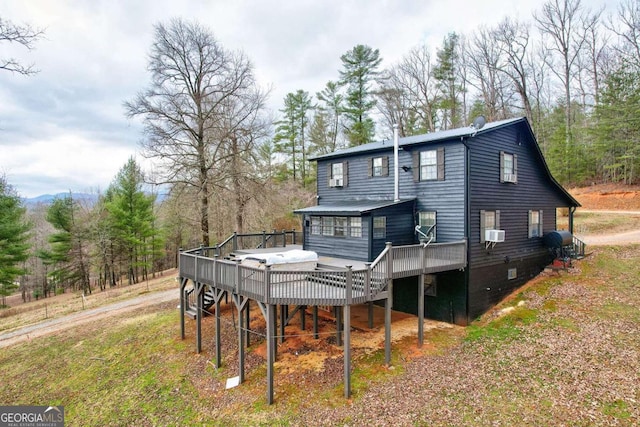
{"x": 288, "y": 285}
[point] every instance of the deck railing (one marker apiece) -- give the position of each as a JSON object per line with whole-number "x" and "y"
{"x": 320, "y": 287}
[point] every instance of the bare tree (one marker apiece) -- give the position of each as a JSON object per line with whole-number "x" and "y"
{"x": 24, "y": 35}
{"x": 484, "y": 58}
{"x": 513, "y": 40}
{"x": 194, "y": 82}
{"x": 412, "y": 84}
{"x": 559, "y": 22}
{"x": 627, "y": 28}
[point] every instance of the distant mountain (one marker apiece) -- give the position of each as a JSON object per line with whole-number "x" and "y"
{"x": 46, "y": 199}
{"x": 90, "y": 199}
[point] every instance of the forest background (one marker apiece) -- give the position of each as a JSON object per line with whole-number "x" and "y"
{"x": 223, "y": 162}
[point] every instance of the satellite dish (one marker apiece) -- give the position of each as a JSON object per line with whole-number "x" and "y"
{"x": 479, "y": 122}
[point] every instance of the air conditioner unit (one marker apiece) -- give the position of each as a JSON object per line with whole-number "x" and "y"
{"x": 335, "y": 182}
{"x": 494, "y": 236}
{"x": 510, "y": 177}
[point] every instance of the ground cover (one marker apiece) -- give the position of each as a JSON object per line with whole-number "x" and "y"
{"x": 564, "y": 350}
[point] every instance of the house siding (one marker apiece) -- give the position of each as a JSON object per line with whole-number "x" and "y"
{"x": 533, "y": 191}
{"x": 445, "y": 197}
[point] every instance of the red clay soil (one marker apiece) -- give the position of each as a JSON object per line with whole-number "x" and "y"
{"x": 608, "y": 197}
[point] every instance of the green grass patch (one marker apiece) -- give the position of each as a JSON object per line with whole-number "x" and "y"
{"x": 617, "y": 409}
{"x": 504, "y": 328}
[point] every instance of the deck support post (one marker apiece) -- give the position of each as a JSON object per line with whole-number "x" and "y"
{"x": 271, "y": 354}
{"x": 387, "y": 306}
{"x": 347, "y": 351}
{"x": 241, "y": 304}
{"x": 370, "y": 314}
{"x": 420, "y": 310}
{"x": 218, "y": 361}
{"x": 303, "y": 318}
{"x": 387, "y": 323}
{"x": 315, "y": 321}
{"x": 183, "y": 303}
{"x": 338, "y": 314}
{"x": 247, "y": 320}
{"x": 199, "y": 310}
{"x": 283, "y": 321}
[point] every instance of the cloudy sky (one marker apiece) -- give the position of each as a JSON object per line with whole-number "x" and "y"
{"x": 64, "y": 129}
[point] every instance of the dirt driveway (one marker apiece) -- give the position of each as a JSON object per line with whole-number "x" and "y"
{"x": 626, "y": 238}
{"x": 69, "y": 321}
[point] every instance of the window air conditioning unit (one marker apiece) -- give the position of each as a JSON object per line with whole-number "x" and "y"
{"x": 494, "y": 236}
{"x": 335, "y": 182}
{"x": 510, "y": 177}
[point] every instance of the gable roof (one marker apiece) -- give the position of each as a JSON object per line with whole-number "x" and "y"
{"x": 449, "y": 134}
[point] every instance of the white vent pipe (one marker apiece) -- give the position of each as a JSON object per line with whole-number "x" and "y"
{"x": 396, "y": 166}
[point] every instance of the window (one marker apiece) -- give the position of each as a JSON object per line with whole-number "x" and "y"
{"x": 355, "y": 226}
{"x": 428, "y": 165}
{"x": 337, "y": 174}
{"x": 512, "y": 274}
{"x": 426, "y": 221}
{"x": 379, "y": 227}
{"x": 535, "y": 224}
{"x": 316, "y": 225}
{"x": 378, "y": 166}
{"x": 489, "y": 220}
{"x": 340, "y": 228}
{"x": 327, "y": 225}
{"x": 508, "y": 167}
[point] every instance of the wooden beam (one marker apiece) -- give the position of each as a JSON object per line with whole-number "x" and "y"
{"x": 271, "y": 343}
{"x": 420, "y": 310}
{"x": 199, "y": 311}
{"x": 347, "y": 351}
{"x": 387, "y": 323}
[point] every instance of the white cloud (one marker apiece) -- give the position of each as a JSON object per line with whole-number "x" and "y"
{"x": 65, "y": 127}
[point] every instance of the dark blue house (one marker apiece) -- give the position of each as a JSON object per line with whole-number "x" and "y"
{"x": 488, "y": 185}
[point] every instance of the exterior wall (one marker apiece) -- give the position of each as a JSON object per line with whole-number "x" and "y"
{"x": 356, "y": 248}
{"x": 448, "y": 305}
{"x": 488, "y": 281}
{"x": 445, "y": 197}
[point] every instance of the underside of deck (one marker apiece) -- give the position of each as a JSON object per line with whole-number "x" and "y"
{"x": 333, "y": 282}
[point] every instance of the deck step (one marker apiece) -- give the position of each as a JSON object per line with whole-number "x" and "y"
{"x": 191, "y": 312}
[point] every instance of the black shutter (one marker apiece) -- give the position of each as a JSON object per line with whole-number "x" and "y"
{"x": 440, "y": 163}
{"x": 416, "y": 166}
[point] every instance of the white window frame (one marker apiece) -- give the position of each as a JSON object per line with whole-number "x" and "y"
{"x": 327, "y": 226}
{"x": 376, "y": 169}
{"x": 508, "y": 167}
{"x": 426, "y": 219}
{"x": 340, "y": 226}
{"x": 316, "y": 225}
{"x": 379, "y": 227}
{"x": 535, "y": 223}
{"x": 429, "y": 165}
{"x": 493, "y": 224}
{"x": 355, "y": 226}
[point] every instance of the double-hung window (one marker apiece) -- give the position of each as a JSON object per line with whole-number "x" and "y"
{"x": 338, "y": 174}
{"x": 316, "y": 225}
{"x": 535, "y": 224}
{"x": 378, "y": 166}
{"x": 427, "y": 223}
{"x": 428, "y": 165}
{"x": 355, "y": 226}
{"x": 508, "y": 167}
{"x": 489, "y": 220}
{"x": 379, "y": 227}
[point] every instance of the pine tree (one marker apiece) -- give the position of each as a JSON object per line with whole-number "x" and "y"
{"x": 14, "y": 236}
{"x": 132, "y": 218}
{"x": 360, "y": 68}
